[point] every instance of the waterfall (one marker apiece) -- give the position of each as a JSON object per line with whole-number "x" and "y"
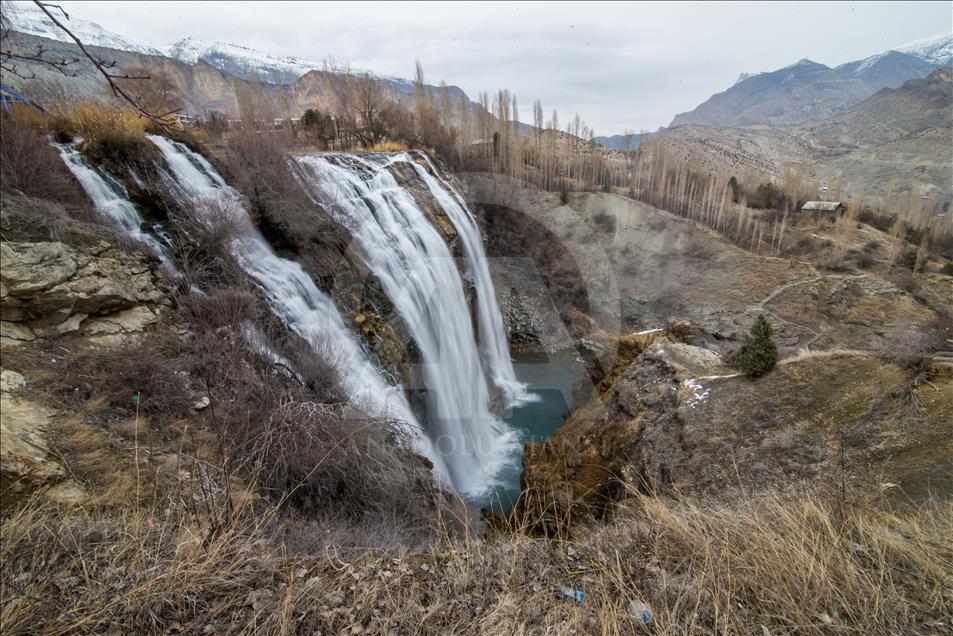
{"x": 414, "y": 265}
{"x": 109, "y": 198}
{"x": 293, "y": 296}
{"x": 492, "y": 336}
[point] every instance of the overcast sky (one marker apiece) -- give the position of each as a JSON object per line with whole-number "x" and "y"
{"x": 620, "y": 66}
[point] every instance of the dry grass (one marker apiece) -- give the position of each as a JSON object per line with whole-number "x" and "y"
{"x": 383, "y": 146}
{"x": 28, "y": 163}
{"x": 110, "y": 134}
{"x": 93, "y": 120}
{"x": 766, "y": 565}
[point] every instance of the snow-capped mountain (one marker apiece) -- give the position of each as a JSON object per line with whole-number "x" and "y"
{"x": 937, "y": 49}
{"x": 26, "y": 17}
{"x": 807, "y": 91}
{"x": 241, "y": 60}
{"x": 246, "y": 63}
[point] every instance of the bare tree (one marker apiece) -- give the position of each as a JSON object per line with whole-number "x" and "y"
{"x": 9, "y": 58}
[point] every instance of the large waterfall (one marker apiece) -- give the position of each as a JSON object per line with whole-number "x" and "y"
{"x": 492, "y": 336}
{"x": 467, "y": 443}
{"x": 109, "y": 197}
{"x": 414, "y": 265}
{"x": 293, "y": 295}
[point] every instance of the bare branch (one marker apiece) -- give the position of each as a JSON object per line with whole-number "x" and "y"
{"x": 103, "y": 67}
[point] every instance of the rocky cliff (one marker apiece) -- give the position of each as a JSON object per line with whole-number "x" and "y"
{"x": 676, "y": 421}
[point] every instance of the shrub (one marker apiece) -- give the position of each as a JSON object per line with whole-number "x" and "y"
{"x": 864, "y": 260}
{"x": 230, "y": 307}
{"x": 758, "y": 354}
{"x": 882, "y": 222}
{"x": 915, "y": 235}
{"x": 142, "y": 375}
{"x": 110, "y": 134}
{"x": 604, "y": 221}
{"x": 28, "y": 163}
{"x": 34, "y": 219}
{"x": 564, "y": 195}
{"x": 908, "y": 260}
{"x": 205, "y": 233}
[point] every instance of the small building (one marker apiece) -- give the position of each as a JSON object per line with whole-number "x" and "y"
{"x": 835, "y": 207}
{"x": 185, "y": 121}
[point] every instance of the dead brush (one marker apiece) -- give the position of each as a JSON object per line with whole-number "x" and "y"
{"x": 77, "y": 570}
{"x": 110, "y": 379}
{"x": 772, "y": 564}
{"x": 791, "y": 563}
{"x": 28, "y": 163}
{"x": 205, "y": 233}
{"x": 110, "y": 134}
{"x": 330, "y": 457}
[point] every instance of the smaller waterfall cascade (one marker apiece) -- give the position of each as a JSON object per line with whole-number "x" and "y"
{"x": 293, "y": 296}
{"x": 414, "y": 265}
{"x": 109, "y": 197}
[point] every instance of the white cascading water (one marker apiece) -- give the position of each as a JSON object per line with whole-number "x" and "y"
{"x": 294, "y": 297}
{"x": 109, "y": 197}
{"x": 412, "y": 262}
{"x": 492, "y": 336}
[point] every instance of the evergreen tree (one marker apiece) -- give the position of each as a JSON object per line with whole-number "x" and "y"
{"x": 758, "y": 354}
{"x": 768, "y": 193}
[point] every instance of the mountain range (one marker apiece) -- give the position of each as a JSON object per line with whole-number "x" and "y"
{"x": 240, "y": 61}
{"x": 807, "y": 91}
{"x": 897, "y": 140}
{"x": 619, "y": 142}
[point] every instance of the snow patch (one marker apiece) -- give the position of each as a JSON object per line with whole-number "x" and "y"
{"x": 30, "y": 19}
{"x": 697, "y": 392}
{"x": 936, "y": 49}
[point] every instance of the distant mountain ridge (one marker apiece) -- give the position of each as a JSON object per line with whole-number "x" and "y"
{"x": 895, "y": 141}
{"x": 618, "y": 142}
{"x": 806, "y": 91}
{"x": 241, "y": 61}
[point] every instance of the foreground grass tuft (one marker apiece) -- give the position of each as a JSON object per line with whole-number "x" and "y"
{"x": 766, "y": 565}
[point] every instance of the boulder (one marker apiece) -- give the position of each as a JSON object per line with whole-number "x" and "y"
{"x": 12, "y": 333}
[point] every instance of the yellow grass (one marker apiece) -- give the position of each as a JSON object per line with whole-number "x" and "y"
{"x": 93, "y": 120}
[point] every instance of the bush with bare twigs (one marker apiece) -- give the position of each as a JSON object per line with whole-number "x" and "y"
{"x": 911, "y": 347}
{"x": 604, "y": 222}
{"x": 28, "y": 163}
{"x": 204, "y": 234}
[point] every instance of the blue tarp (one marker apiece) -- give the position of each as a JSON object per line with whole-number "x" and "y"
{"x": 8, "y": 97}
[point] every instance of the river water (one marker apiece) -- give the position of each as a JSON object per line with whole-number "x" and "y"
{"x": 551, "y": 377}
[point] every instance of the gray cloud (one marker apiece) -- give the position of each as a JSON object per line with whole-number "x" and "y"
{"x": 618, "y": 65}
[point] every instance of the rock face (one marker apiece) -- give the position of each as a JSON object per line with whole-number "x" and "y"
{"x": 25, "y": 459}
{"x": 674, "y": 420}
{"x": 529, "y": 314}
{"x": 48, "y": 289}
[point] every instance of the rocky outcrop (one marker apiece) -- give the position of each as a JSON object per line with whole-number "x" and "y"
{"x": 25, "y": 458}
{"x": 50, "y": 289}
{"x": 675, "y": 420}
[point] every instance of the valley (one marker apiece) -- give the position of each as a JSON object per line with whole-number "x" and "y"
{"x": 289, "y": 347}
